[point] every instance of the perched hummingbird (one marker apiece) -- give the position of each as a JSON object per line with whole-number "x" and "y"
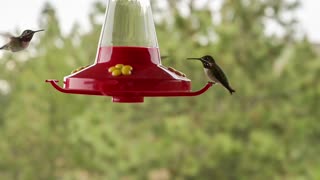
{"x": 214, "y": 72}
{"x": 19, "y": 43}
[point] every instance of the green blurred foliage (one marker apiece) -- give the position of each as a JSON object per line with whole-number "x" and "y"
{"x": 267, "y": 130}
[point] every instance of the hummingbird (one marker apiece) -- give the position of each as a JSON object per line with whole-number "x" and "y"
{"x": 19, "y": 43}
{"x": 214, "y": 72}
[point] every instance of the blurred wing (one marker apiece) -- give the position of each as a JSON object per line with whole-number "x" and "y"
{"x": 164, "y": 57}
{"x": 6, "y": 35}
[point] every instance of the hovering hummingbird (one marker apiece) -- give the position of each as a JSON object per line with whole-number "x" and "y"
{"x": 214, "y": 72}
{"x": 19, "y": 43}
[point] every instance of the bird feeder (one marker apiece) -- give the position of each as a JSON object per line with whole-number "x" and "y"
{"x": 128, "y": 63}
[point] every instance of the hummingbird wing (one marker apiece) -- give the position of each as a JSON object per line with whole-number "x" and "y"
{"x": 14, "y": 45}
{"x": 220, "y": 76}
{"x": 4, "y": 47}
{"x": 7, "y": 35}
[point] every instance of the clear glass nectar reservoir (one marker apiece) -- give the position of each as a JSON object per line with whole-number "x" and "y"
{"x": 129, "y": 23}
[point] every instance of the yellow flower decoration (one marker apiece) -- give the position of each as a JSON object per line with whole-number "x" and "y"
{"x": 120, "y": 69}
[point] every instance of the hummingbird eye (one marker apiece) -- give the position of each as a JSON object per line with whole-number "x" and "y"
{"x": 28, "y": 31}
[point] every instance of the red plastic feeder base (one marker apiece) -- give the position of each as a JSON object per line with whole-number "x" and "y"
{"x": 148, "y": 78}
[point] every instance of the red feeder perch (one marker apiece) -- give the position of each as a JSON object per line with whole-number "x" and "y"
{"x": 128, "y": 64}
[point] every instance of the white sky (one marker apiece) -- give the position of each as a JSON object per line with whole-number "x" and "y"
{"x": 24, "y": 14}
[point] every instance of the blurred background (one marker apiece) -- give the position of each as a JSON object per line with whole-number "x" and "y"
{"x": 268, "y": 130}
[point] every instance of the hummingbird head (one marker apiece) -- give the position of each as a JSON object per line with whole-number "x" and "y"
{"x": 28, "y": 34}
{"x": 207, "y": 61}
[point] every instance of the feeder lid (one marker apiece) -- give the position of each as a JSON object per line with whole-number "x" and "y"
{"x": 129, "y": 23}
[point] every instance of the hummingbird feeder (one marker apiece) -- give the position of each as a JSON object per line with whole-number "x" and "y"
{"x": 128, "y": 63}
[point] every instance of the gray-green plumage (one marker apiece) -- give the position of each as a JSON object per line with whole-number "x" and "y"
{"x": 19, "y": 43}
{"x": 15, "y": 45}
{"x": 214, "y": 72}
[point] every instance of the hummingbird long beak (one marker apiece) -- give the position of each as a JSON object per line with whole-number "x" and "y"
{"x": 200, "y": 59}
{"x": 194, "y": 59}
{"x": 38, "y": 30}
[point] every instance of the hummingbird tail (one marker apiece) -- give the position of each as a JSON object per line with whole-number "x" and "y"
{"x": 5, "y": 47}
{"x": 231, "y": 90}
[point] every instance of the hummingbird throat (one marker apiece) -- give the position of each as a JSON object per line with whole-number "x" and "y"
{"x": 27, "y": 38}
{"x": 25, "y": 44}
